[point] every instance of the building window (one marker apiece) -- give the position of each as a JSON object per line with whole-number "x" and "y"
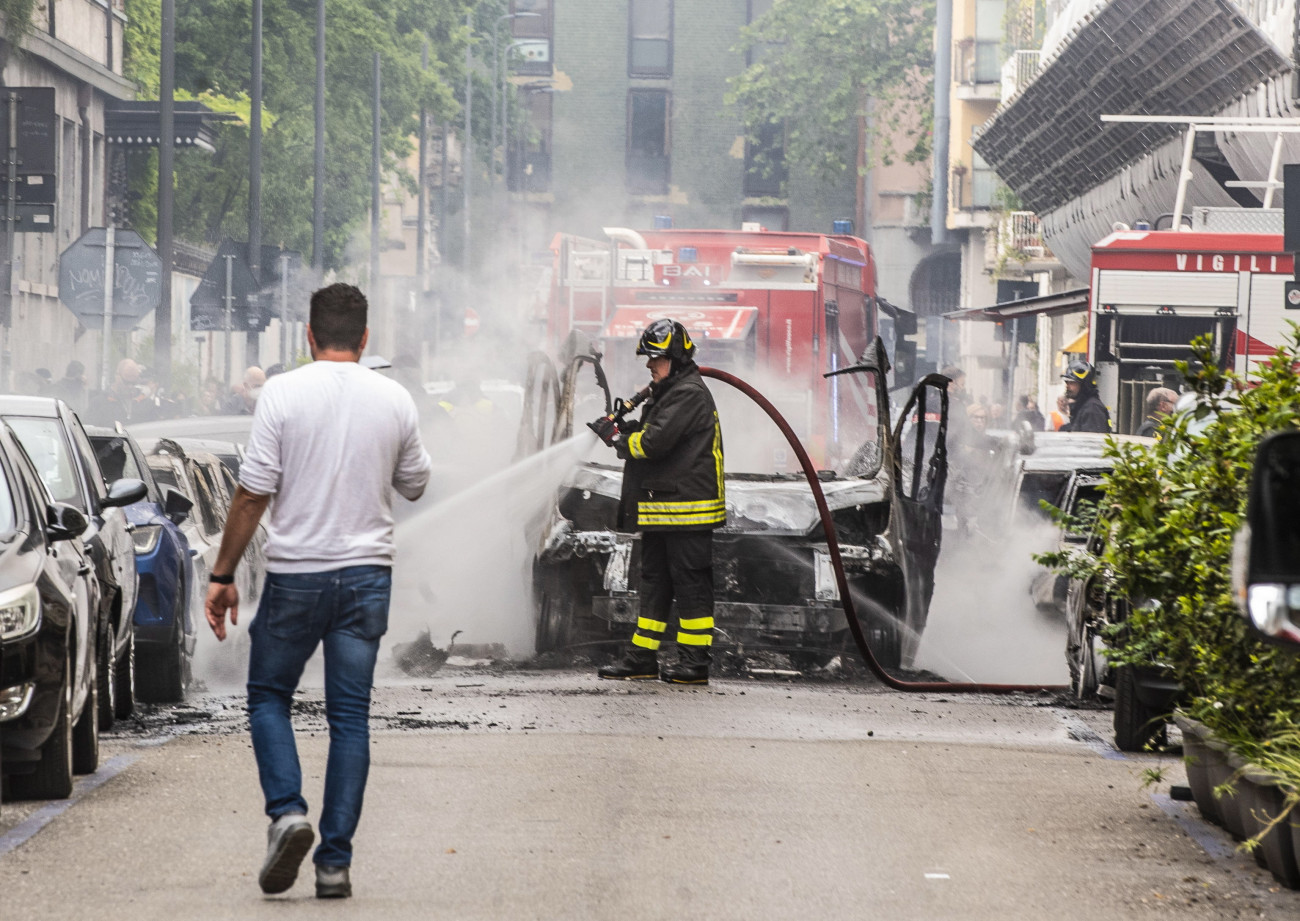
{"x": 765, "y": 170}
{"x": 774, "y": 219}
{"x": 648, "y": 141}
{"x": 650, "y": 38}
{"x": 983, "y": 183}
{"x": 989, "y": 30}
{"x": 531, "y": 50}
{"x": 530, "y": 153}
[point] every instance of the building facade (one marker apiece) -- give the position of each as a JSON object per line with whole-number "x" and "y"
{"x": 996, "y": 250}
{"x": 75, "y": 47}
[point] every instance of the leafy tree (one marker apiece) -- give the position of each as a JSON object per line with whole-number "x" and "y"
{"x": 17, "y": 17}
{"x": 818, "y": 66}
{"x": 213, "y": 59}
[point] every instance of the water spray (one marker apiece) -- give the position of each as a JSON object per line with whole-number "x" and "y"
{"x": 833, "y": 551}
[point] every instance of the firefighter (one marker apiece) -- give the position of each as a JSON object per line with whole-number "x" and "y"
{"x": 1087, "y": 412}
{"x": 673, "y": 493}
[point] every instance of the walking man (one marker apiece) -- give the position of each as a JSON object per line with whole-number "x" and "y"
{"x": 673, "y": 492}
{"x": 330, "y": 442}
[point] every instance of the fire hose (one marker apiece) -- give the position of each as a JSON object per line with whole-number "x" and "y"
{"x": 833, "y": 551}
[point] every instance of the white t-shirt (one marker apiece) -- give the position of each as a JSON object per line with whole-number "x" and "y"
{"x": 331, "y": 441}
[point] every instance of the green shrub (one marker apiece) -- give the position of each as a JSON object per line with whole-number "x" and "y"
{"x": 1168, "y": 519}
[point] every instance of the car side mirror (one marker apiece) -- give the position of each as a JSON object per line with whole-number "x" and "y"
{"x": 63, "y": 522}
{"x": 176, "y": 505}
{"x": 1025, "y": 437}
{"x": 1266, "y": 551}
{"x": 126, "y": 491}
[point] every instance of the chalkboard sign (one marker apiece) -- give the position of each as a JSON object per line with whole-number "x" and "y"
{"x": 36, "y": 127}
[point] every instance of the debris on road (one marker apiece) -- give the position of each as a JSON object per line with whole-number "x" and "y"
{"x": 420, "y": 658}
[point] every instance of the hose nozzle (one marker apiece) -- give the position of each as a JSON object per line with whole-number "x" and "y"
{"x": 623, "y": 407}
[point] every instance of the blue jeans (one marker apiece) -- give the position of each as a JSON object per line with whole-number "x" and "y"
{"x": 346, "y": 610}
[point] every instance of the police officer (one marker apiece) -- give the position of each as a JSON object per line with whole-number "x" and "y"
{"x": 673, "y": 493}
{"x": 1087, "y": 412}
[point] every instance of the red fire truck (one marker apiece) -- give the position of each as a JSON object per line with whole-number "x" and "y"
{"x": 779, "y": 309}
{"x": 1154, "y": 291}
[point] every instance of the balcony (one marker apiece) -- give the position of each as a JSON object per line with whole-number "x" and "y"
{"x": 977, "y": 69}
{"x": 1018, "y": 71}
{"x": 1019, "y": 244}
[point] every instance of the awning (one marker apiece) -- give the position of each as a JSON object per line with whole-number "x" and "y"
{"x": 1078, "y": 344}
{"x": 138, "y": 124}
{"x": 701, "y": 322}
{"x": 1173, "y": 57}
{"x": 1047, "y": 305}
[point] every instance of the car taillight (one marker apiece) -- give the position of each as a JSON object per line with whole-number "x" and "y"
{"x": 146, "y": 537}
{"x": 20, "y": 611}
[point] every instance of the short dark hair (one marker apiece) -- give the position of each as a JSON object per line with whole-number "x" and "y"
{"x": 338, "y": 317}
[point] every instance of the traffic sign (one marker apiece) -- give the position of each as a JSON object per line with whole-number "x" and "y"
{"x": 471, "y": 321}
{"x": 208, "y": 302}
{"x": 137, "y": 278}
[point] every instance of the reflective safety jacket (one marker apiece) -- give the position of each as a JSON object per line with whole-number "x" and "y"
{"x": 673, "y": 479}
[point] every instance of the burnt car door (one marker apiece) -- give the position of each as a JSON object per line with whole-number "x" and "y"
{"x": 918, "y": 460}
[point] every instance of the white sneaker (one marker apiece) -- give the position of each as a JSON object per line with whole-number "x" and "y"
{"x": 287, "y": 842}
{"x": 333, "y": 883}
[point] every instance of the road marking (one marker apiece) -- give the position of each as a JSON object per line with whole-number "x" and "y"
{"x": 937, "y": 876}
{"x": 22, "y": 832}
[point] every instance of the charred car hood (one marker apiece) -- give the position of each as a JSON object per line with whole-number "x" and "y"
{"x": 781, "y": 504}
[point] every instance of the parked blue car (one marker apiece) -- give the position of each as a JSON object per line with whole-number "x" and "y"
{"x": 163, "y": 618}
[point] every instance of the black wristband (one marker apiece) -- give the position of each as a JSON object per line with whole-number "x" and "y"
{"x": 222, "y": 580}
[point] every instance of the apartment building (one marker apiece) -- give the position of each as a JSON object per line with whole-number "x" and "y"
{"x": 75, "y": 47}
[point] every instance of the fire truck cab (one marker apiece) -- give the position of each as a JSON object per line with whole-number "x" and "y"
{"x": 1154, "y": 291}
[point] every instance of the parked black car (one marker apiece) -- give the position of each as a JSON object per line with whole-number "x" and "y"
{"x": 1144, "y": 695}
{"x": 49, "y": 618}
{"x": 54, "y": 439}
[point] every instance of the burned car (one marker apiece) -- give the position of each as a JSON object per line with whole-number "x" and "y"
{"x": 774, "y": 584}
{"x": 1064, "y": 471}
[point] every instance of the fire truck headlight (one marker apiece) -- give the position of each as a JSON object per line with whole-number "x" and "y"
{"x": 1267, "y": 606}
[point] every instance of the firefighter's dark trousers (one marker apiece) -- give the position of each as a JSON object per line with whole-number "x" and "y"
{"x": 677, "y": 565}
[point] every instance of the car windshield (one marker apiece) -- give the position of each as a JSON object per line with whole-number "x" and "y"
{"x": 115, "y": 457}
{"x": 44, "y": 443}
{"x": 165, "y": 475}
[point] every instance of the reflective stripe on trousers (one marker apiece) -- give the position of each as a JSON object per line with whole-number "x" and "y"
{"x": 676, "y": 566}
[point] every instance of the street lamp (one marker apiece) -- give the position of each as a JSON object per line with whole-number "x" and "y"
{"x": 495, "y": 64}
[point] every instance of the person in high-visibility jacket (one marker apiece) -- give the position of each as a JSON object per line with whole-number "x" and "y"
{"x": 673, "y": 493}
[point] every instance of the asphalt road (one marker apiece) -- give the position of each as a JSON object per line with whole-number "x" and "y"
{"x": 554, "y": 795}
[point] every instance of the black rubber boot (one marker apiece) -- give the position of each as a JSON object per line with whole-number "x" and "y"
{"x": 636, "y": 665}
{"x": 691, "y": 667}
